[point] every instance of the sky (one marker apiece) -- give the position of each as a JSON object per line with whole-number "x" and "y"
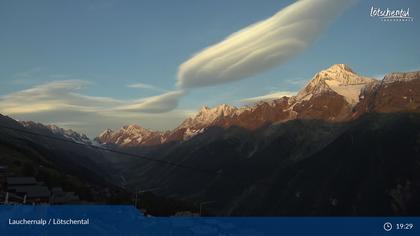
{"x": 92, "y": 65}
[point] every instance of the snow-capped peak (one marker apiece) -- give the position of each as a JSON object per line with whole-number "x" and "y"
{"x": 128, "y": 135}
{"x": 66, "y": 133}
{"x": 401, "y": 77}
{"x": 221, "y": 110}
{"x": 340, "y": 68}
{"x": 136, "y": 129}
{"x": 105, "y": 135}
{"x": 106, "y": 132}
{"x": 343, "y": 75}
{"x": 207, "y": 115}
{"x": 338, "y": 78}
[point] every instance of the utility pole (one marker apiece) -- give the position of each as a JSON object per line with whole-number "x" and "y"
{"x": 204, "y": 203}
{"x": 143, "y": 191}
{"x": 135, "y": 201}
{"x": 6, "y": 198}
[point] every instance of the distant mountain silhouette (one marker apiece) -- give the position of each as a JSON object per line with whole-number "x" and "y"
{"x": 56, "y": 157}
{"x": 336, "y": 94}
{"x": 344, "y": 145}
{"x": 368, "y": 166}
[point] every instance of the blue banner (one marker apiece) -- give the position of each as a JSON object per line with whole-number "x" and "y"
{"x": 126, "y": 220}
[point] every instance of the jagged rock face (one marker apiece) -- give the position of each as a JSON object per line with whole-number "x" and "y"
{"x": 397, "y": 92}
{"x": 261, "y": 114}
{"x": 55, "y": 130}
{"x": 105, "y": 136}
{"x": 135, "y": 135}
{"x": 335, "y": 94}
{"x": 401, "y": 77}
{"x": 130, "y": 135}
{"x": 205, "y": 118}
{"x": 338, "y": 78}
{"x": 328, "y": 106}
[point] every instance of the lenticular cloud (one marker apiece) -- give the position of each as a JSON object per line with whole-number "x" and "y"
{"x": 260, "y": 46}
{"x": 156, "y": 104}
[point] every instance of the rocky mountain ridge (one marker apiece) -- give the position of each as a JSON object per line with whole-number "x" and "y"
{"x": 55, "y": 130}
{"x": 335, "y": 94}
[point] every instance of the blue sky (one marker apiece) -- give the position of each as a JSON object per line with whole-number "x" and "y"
{"x": 105, "y": 46}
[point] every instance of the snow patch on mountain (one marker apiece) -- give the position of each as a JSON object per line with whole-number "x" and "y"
{"x": 54, "y": 129}
{"x": 128, "y": 135}
{"x": 401, "y": 77}
{"x": 338, "y": 78}
{"x": 189, "y": 133}
{"x": 207, "y": 116}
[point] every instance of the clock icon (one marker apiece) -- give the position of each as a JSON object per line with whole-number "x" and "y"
{"x": 387, "y": 226}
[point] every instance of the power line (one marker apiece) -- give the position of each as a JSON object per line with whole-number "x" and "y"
{"x": 232, "y": 178}
{"x": 178, "y": 165}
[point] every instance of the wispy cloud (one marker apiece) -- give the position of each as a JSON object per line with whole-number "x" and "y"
{"x": 267, "y": 97}
{"x": 247, "y": 52}
{"x": 297, "y": 81}
{"x": 66, "y": 94}
{"x": 256, "y": 48}
{"x": 260, "y": 46}
{"x": 146, "y": 86}
{"x": 61, "y": 102}
{"x": 156, "y": 104}
{"x": 52, "y": 96}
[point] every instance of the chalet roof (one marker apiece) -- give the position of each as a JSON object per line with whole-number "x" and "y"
{"x": 34, "y": 191}
{"x": 57, "y": 190}
{"x": 68, "y": 197}
{"x": 20, "y": 180}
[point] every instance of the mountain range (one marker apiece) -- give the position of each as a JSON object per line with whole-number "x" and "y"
{"x": 59, "y": 158}
{"x": 343, "y": 145}
{"x": 336, "y": 94}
